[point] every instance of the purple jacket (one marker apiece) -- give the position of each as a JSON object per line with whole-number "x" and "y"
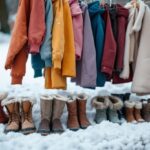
{"x": 86, "y": 67}
{"x": 77, "y": 21}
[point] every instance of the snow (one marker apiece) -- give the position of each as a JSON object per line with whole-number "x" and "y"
{"x": 105, "y": 136}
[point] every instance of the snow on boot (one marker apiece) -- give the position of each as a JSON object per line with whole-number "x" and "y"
{"x": 146, "y": 111}
{"x": 82, "y": 117}
{"x": 72, "y": 122}
{"x": 46, "y": 114}
{"x": 14, "y": 117}
{"x": 3, "y": 116}
{"x": 27, "y": 125}
{"x": 129, "y": 111}
{"x": 58, "y": 107}
{"x": 115, "y": 104}
{"x": 100, "y": 104}
{"x": 137, "y": 112}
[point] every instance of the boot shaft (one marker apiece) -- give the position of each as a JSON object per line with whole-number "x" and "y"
{"x": 46, "y": 109}
{"x": 72, "y": 108}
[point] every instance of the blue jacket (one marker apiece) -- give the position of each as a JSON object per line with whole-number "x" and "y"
{"x": 44, "y": 59}
{"x": 98, "y": 28}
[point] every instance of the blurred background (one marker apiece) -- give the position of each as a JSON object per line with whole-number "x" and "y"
{"x": 8, "y": 9}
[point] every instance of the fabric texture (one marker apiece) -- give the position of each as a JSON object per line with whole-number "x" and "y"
{"x": 98, "y": 28}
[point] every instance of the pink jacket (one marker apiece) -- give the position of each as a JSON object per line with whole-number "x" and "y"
{"x": 77, "y": 20}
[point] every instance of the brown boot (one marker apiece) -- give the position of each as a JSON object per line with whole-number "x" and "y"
{"x": 58, "y": 107}
{"x": 129, "y": 111}
{"x": 46, "y": 113}
{"x": 81, "y": 103}
{"x": 72, "y": 122}
{"x": 27, "y": 124}
{"x": 137, "y": 112}
{"x": 14, "y": 118}
{"x": 146, "y": 111}
{"x": 3, "y": 116}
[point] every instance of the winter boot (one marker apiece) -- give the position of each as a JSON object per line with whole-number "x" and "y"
{"x": 3, "y": 116}
{"x": 115, "y": 104}
{"x": 72, "y": 122}
{"x": 46, "y": 114}
{"x": 14, "y": 117}
{"x": 100, "y": 104}
{"x": 58, "y": 107}
{"x": 146, "y": 111}
{"x": 137, "y": 112}
{"x": 129, "y": 111}
{"x": 82, "y": 117}
{"x": 27, "y": 124}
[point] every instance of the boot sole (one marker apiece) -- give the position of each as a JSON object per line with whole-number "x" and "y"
{"x": 74, "y": 129}
{"x": 28, "y": 131}
{"x": 43, "y": 132}
{"x": 7, "y": 131}
{"x": 59, "y": 131}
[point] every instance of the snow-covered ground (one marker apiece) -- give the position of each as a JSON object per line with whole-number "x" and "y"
{"x": 105, "y": 136}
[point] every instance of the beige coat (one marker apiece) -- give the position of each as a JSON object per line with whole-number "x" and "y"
{"x": 141, "y": 79}
{"x": 132, "y": 38}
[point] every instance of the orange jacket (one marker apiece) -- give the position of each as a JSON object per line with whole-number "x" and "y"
{"x": 26, "y": 33}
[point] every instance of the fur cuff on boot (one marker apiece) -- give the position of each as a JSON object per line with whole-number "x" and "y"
{"x": 82, "y": 97}
{"x": 129, "y": 104}
{"x": 100, "y": 102}
{"x": 61, "y": 97}
{"x": 138, "y": 105}
{"x": 8, "y": 100}
{"x": 115, "y": 103}
{"x": 3, "y": 95}
{"x": 46, "y": 97}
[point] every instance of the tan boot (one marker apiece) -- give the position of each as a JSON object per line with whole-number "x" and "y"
{"x": 58, "y": 107}
{"x": 46, "y": 114}
{"x": 137, "y": 112}
{"x": 27, "y": 124}
{"x": 129, "y": 112}
{"x": 72, "y": 122}
{"x": 14, "y": 118}
{"x": 82, "y": 117}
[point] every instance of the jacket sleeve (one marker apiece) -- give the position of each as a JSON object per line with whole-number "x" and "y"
{"x": 58, "y": 35}
{"x": 36, "y": 25}
{"x": 46, "y": 48}
{"x": 19, "y": 67}
{"x": 19, "y": 35}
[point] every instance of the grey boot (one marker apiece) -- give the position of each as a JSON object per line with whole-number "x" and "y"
{"x": 115, "y": 104}
{"x": 58, "y": 107}
{"x": 100, "y": 104}
{"x": 46, "y": 113}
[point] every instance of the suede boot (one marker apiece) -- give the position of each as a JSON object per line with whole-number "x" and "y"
{"x": 100, "y": 104}
{"x": 3, "y": 116}
{"x": 27, "y": 124}
{"x": 129, "y": 111}
{"x": 14, "y": 117}
{"x": 115, "y": 104}
{"x": 146, "y": 111}
{"x": 72, "y": 122}
{"x": 137, "y": 112}
{"x": 46, "y": 114}
{"x": 58, "y": 107}
{"x": 82, "y": 117}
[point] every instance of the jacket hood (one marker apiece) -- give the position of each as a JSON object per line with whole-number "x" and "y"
{"x": 95, "y": 8}
{"x": 121, "y": 11}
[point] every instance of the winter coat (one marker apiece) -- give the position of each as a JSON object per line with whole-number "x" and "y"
{"x": 131, "y": 41}
{"x": 46, "y": 47}
{"x": 22, "y": 36}
{"x": 109, "y": 54}
{"x": 98, "y": 27}
{"x": 55, "y": 77}
{"x": 77, "y": 21}
{"x": 86, "y": 67}
{"x": 44, "y": 58}
{"x": 122, "y": 20}
{"x": 142, "y": 70}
